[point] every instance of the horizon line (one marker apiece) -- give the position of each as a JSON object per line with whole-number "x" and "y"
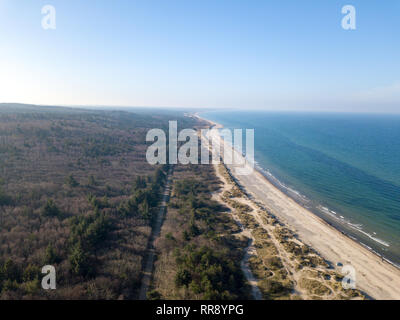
{"x": 203, "y": 109}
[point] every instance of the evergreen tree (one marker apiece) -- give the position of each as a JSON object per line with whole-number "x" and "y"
{"x": 78, "y": 260}
{"x": 50, "y": 256}
{"x": 50, "y": 209}
{"x": 71, "y": 181}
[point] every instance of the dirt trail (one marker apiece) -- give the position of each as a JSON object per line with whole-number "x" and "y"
{"x": 258, "y": 212}
{"x": 249, "y": 250}
{"x": 287, "y": 262}
{"x": 244, "y": 265}
{"x": 247, "y": 232}
{"x": 282, "y": 254}
{"x": 151, "y": 253}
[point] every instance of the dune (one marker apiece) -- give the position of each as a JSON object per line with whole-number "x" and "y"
{"x": 373, "y": 276}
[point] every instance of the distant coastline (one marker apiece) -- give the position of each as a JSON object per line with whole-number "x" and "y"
{"x": 275, "y": 183}
{"x": 330, "y": 217}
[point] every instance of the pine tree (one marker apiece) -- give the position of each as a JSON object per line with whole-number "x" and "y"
{"x": 50, "y": 255}
{"x": 78, "y": 260}
{"x": 50, "y": 209}
{"x": 71, "y": 181}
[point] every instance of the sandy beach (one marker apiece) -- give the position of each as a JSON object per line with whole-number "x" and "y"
{"x": 374, "y": 277}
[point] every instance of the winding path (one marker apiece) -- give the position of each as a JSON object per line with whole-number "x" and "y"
{"x": 249, "y": 250}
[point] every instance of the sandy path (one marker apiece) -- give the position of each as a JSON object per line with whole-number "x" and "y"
{"x": 249, "y": 250}
{"x": 287, "y": 262}
{"x": 151, "y": 254}
{"x": 378, "y": 279}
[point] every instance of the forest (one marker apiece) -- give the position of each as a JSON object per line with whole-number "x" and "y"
{"x": 77, "y": 193}
{"x": 198, "y": 253}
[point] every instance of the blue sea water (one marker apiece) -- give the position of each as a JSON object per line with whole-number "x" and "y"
{"x": 343, "y": 167}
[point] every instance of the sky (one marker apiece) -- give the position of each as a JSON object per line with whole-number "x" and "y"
{"x": 275, "y": 55}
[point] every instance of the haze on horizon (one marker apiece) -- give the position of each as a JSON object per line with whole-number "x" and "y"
{"x": 275, "y": 55}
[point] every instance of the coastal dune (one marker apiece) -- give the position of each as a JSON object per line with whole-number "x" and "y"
{"x": 376, "y": 278}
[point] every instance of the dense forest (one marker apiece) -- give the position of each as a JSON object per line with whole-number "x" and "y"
{"x": 77, "y": 193}
{"x": 198, "y": 253}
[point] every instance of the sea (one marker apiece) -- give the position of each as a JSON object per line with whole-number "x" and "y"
{"x": 344, "y": 167}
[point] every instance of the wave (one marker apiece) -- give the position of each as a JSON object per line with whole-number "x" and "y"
{"x": 354, "y": 226}
{"x": 318, "y": 209}
{"x": 305, "y": 202}
{"x": 280, "y": 184}
{"x": 323, "y": 209}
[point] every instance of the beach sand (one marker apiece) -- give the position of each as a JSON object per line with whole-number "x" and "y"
{"x": 376, "y": 278}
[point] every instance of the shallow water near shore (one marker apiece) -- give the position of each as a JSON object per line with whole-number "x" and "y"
{"x": 343, "y": 167}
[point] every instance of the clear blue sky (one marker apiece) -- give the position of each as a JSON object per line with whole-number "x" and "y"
{"x": 286, "y": 54}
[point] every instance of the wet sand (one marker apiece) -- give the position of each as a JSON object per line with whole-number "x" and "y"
{"x": 378, "y": 279}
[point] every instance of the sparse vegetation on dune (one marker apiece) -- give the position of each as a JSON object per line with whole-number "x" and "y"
{"x": 285, "y": 267}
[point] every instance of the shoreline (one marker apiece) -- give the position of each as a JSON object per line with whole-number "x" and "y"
{"x": 286, "y": 190}
{"x": 314, "y": 210}
{"x": 311, "y": 228}
{"x": 300, "y": 199}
